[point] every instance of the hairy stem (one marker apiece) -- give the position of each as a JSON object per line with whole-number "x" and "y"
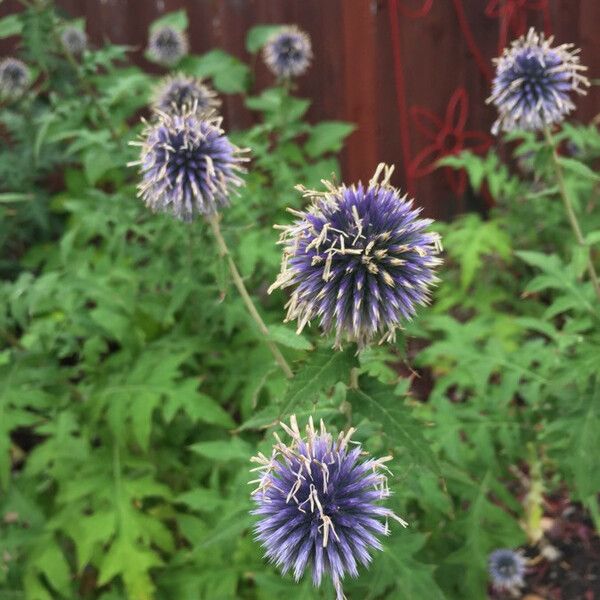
{"x": 568, "y": 204}
{"x": 239, "y": 284}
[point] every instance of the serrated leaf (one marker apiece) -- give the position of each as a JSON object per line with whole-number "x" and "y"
{"x": 223, "y": 451}
{"x": 376, "y": 401}
{"x": 288, "y": 337}
{"x": 54, "y": 566}
{"x": 201, "y": 499}
{"x": 177, "y": 19}
{"x": 133, "y": 563}
{"x": 321, "y": 372}
{"x": 472, "y": 241}
{"x": 96, "y": 163}
{"x": 229, "y": 74}
{"x": 327, "y": 137}
{"x": 258, "y": 35}
{"x": 10, "y": 25}
{"x": 578, "y": 168}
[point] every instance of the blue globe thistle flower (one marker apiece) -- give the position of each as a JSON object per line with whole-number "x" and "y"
{"x": 167, "y": 45}
{"x": 359, "y": 259}
{"x": 14, "y": 78}
{"x": 188, "y": 165}
{"x": 507, "y": 569}
{"x": 180, "y": 93}
{"x": 318, "y": 503}
{"x": 74, "y": 40}
{"x": 288, "y": 52}
{"x": 533, "y": 83}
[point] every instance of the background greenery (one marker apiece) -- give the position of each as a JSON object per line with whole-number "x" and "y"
{"x": 135, "y": 388}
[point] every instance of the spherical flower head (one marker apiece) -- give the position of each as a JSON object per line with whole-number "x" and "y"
{"x": 188, "y": 165}
{"x": 359, "y": 260}
{"x": 181, "y": 93}
{"x": 167, "y": 45}
{"x": 534, "y": 82}
{"x": 318, "y": 500}
{"x": 507, "y": 569}
{"x": 288, "y": 52}
{"x": 74, "y": 40}
{"x": 14, "y": 78}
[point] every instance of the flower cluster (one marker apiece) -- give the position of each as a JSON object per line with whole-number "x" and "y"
{"x": 14, "y": 78}
{"x": 288, "y": 52}
{"x": 74, "y": 40}
{"x": 318, "y": 503}
{"x": 180, "y": 93}
{"x": 507, "y": 569}
{"x": 360, "y": 260}
{"x": 167, "y": 45}
{"x": 533, "y": 83}
{"x": 188, "y": 165}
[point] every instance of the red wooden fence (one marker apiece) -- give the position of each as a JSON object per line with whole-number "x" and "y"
{"x": 412, "y": 74}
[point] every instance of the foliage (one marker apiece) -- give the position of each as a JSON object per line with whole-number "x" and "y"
{"x": 135, "y": 387}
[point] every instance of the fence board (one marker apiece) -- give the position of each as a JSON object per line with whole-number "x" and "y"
{"x": 386, "y": 65}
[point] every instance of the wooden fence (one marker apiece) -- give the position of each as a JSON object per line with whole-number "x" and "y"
{"x": 411, "y": 74}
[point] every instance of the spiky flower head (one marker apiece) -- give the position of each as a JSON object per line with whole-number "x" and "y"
{"x": 288, "y": 52}
{"x": 534, "y": 82}
{"x": 167, "y": 45}
{"x": 14, "y": 77}
{"x": 179, "y": 93}
{"x": 74, "y": 40}
{"x": 188, "y": 165}
{"x": 318, "y": 500}
{"x": 507, "y": 569}
{"x": 359, "y": 259}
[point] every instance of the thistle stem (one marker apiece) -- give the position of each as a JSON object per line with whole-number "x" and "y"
{"x": 239, "y": 284}
{"x": 571, "y": 215}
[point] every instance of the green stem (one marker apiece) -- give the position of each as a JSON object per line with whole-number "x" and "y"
{"x": 239, "y": 284}
{"x": 354, "y": 378}
{"x": 568, "y": 204}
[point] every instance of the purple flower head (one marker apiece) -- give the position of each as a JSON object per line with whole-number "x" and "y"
{"x": 360, "y": 261}
{"x": 74, "y": 40}
{"x": 181, "y": 93}
{"x": 188, "y": 165}
{"x": 318, "y": 503}
{"x": 507, "y": 569}
{"x": 288, "y": 52}
{"x": 533, "y": 83}
{"x": 14, "y": 78}
{"x": 167, "y": 45}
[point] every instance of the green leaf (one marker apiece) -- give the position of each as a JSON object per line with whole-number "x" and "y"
{"x": 177, "y": 19}
{"x": 201, "y": 499}
{"x": 52, "y": 563}
{"x": 196, "y": 405}
{"x": 320, "y": 373}
{"x": 223, "y": 451}
{"x": 584, "y": 446}
{"x": 96, "y": 163}
{"x": 288, "y": 337}
{"x": 470, "y": 239}
{"x": 8, "y": 197}
{"x": 378, "y": 403}
{"x": 578, "y": 168}
{"x": 258, "y": 35}
{"x": 133, "y": 563}
{"x": 229, "y": 74}
{"x": 10, "y": 25}
{"x": 327, "y": 137}
{"x": 413, "y": 579}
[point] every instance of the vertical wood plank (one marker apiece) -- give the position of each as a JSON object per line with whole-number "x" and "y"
{"x": 353, "y": 76}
